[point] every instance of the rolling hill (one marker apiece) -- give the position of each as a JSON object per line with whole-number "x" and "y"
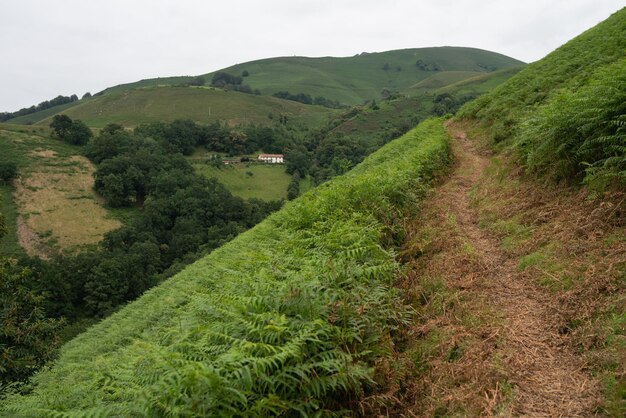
{"x": 354, "y": 79}
{"x": 348, "y": 80}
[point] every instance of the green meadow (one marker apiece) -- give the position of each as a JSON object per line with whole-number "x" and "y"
{"x": 258, "y": 181}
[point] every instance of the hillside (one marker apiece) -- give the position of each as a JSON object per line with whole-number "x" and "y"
{"x": 203, "y": 105}
{"x": 352, "y": 80}
{"x": 562, "y": 118}
{"x": 42, "y": 114}
{"x": 280, "y": 304}
{"x": 568, "y": 67}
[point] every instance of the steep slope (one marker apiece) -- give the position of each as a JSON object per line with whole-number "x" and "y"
{"x": 568, "y": 67}
{"x": 289, "y": 317}
{"x": 51, "y": 206}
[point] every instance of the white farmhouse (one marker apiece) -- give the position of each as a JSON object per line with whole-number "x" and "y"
{"x": 272, "y": 158}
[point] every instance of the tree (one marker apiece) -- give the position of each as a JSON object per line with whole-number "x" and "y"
{"x": 197, "y": 81}
{"x": 86, "y": 96}
{"x": 61, "y": 125}
{"x": 245, "y": 73}
{"x": 27, "y": 338}
{"x": 222, "y": 79}
{"x": 293, "y": 190}
{"x": 3, "y": 226}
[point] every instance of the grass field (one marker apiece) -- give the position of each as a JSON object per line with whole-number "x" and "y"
{"x": 53, "y": 195}
{"x": 260, "y": 181}
{"x": 479, "y": 84}
{"x": 8, "y": 243}
{"x": 441, "y": 79}
{"x": 203, "y": 105}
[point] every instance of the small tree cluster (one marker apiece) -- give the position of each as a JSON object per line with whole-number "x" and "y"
{"x": 72, "y": 131}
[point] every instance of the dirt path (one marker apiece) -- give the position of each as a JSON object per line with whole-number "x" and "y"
{"x": 524, "y": 347}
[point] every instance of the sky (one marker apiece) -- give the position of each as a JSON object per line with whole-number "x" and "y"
{"x": 76, "y": 46}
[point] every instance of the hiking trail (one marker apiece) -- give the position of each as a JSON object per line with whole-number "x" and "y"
{"x": 522, "y": 345}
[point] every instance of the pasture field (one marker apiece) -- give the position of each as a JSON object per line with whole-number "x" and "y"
{"x": 200, "y": 104}
{"x": 51, "y": 205}
{"x": 260, "y": 181}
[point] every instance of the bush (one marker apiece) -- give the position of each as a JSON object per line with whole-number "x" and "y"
{"x": 8, "y": 170}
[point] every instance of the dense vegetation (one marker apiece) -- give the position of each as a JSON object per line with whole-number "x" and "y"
{"x": 582, "y": 133}
{"x": 565, "y": 113}
{"x": 28, "y": 339}
{"x": 307, "y": 99}
{"x": 288, "y": 318}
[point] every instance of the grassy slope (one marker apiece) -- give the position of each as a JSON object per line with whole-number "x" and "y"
{"x": 569, "y": 66}
{"x": 37, "y": 116}
{"x": 354, "y": 79}
{"x": 54, "y": 191}
{"x": 267, "y": 182}
{"x": 283, "y": 302}
{"x": 203, "y": 105}
{"x": 479, "y": 84}
{"x": 441, "y": 79}
{"x": 419, "y": 102}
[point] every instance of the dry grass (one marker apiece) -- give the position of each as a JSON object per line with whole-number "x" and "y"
{"x": 57, "y": 203}
{"x": 519, "y": 291}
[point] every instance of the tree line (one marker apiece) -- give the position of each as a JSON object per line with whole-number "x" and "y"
{"x": 59, "y": 100}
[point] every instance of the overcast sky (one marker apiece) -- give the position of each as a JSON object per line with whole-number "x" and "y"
{"x": 74, "y": 46}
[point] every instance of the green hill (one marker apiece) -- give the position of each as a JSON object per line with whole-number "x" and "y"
{"x": 354, "y": 79}
{"x": 200, "y": 104}
{"x": 351, "y": 80}
{"x": 348, "y": 80}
